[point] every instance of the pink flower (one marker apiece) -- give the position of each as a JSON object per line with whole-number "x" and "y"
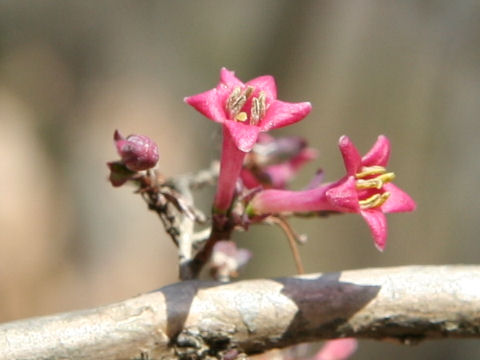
{"x": 138, "y": 152}
{"x": 227, "y": 259}
{"x": 338, "y": 349}
{"x": 244, "y": 110}
{"x": 274, "y": 162}
{"x": 366, "y": 189}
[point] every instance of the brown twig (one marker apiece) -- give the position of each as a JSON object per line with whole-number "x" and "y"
{"x": 222, "y": 228}
{"x": 172, "y": 200}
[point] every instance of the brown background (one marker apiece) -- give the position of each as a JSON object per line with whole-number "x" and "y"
{"x": 72, "y": 72}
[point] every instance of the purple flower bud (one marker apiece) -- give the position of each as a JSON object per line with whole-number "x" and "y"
{"x": 138, "y": 152}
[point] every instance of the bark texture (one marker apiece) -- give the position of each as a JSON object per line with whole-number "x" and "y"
{"x": 197, "y": 319}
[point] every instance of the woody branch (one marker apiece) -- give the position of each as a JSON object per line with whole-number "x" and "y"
{"x": 208, "y": 319}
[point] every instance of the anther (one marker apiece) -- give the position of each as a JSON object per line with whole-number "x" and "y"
{"x": 387, "y": 177}
{"x": 233, "y": 98}
{"x": 237, "y": 100}
{"x": 376, "y": 182}
{"x": 262, "y": 98}
{"x": 374, "y": 201}
{"x": 258, "y": 108}
{"x": 249, "y": 91}
{"x": 370, "y": 170}
{"x": 255, "y": 113}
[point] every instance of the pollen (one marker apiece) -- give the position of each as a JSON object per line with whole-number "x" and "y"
{"x": 374, "y": 201}
{"x": 241, "y": 116}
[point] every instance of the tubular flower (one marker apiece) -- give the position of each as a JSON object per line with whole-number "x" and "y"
{"x": 274, "y": 162}
{"x": 366, "y": 189}
{"x": 244, "y": 110}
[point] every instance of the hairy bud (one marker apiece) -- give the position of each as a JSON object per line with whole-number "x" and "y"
{"x": 138, "y": 152}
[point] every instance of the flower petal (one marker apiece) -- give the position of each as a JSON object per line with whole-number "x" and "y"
{"x": 377, "y": 222}
{"x": 344, "y": 196}
{"x": 379, "y": 154}
{"x": 399, "y": 200}
{"x": 210, "y": 104}
{"x": 243, "y": 135}
{"x": 266, "y": 84}
{"x": 280, "y": 114}
{"x": 228, "y": 78}
{"x": 350, "y": 154}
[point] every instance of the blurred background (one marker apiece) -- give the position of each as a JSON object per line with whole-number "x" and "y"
{"x": 72, "y": 72}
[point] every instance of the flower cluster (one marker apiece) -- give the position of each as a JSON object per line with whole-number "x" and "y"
{"x": 247, "y": 109}
{"x": 253, "y": 183}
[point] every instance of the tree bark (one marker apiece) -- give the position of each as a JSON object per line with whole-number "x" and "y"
{"x": 198, "y": 319}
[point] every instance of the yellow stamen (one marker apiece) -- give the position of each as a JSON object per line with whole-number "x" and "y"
{"x": 242, "y": 116}
{"x": 374, "y": 201}
{"x": 370, "y": 170}
{"x": 387, "y": 177}
{"x": 376, "y": 182}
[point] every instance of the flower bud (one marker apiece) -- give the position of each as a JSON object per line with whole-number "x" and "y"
{"x": 138, "y": 152}
{"x": 227, "y": 259}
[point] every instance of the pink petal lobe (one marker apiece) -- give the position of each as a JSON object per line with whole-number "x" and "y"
{"x": 344, "y": 196}
{"x": 280, "y": 114}
{"x": 266, "y": 84}
{"x": 338, "y": 349}
{"x": 350, "y": 154}
{"x": 243, "y": 135}
{"x": 209, "y": 103}
{"x": 399, "y": 200}
{"x": 377, "y": 222}
{"x": 379, "y": 154}
{"x": 228, "y": 78}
